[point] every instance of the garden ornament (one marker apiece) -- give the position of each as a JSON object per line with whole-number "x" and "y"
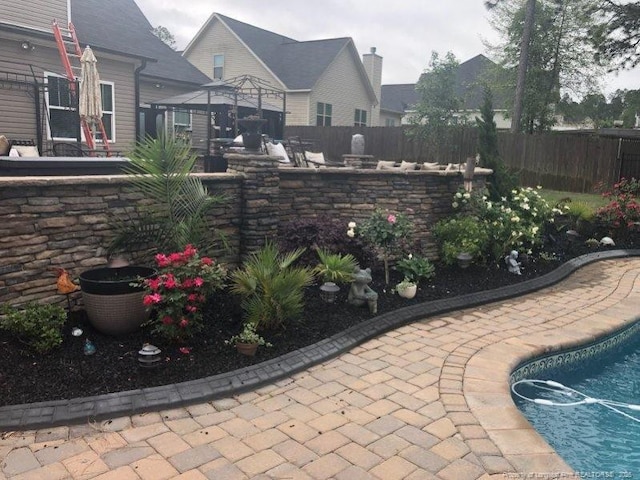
{"x": 512, "y": 262}
{"x": 607, "y": 241}
{"x": 361, "y": 293}
{"x": 89, "y": 348}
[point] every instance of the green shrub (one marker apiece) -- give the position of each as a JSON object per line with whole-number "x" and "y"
{"x": 458, "y": 235}
{"x": 335, "y": 267}
{"x": 580, "y": 211}
{"x": 271, "y": 287}
{"x": 38, "y": 326}
{"x": 415, "y": 268}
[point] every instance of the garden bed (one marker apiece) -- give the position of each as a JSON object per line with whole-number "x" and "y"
{"x": 68, "y": 373}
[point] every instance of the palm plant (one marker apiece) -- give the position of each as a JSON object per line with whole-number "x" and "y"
{"x": 334, "y": 267}
{"x": 175, "y": 203}
{"x": 271, "y": 287}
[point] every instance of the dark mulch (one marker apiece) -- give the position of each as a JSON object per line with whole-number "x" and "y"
{"x": 68, "y": 373}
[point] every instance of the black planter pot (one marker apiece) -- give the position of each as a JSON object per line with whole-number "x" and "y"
{"x": 114, "y": 306}
{"x": 253, "y": 132}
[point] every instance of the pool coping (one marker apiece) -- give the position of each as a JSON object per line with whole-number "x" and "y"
{"x": 66, "y": 412}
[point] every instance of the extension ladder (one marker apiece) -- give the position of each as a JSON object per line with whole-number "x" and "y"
{"x": 67, "y": 40}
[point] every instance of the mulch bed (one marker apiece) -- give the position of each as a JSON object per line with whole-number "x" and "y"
{"x": 68, "y": 373}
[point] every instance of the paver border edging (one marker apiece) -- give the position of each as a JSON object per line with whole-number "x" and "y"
{"x": 58, "y": 412}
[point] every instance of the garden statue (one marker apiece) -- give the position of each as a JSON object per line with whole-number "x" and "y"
{"x": 361, "y": 293}
{"x": 512, "y": 262}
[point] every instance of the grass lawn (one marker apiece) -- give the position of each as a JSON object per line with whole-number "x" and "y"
{"x": 594, "y": 200}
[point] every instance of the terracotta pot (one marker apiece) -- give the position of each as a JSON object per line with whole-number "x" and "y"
{"x": 408, "y": 291}
{"x": 247, "y": 348}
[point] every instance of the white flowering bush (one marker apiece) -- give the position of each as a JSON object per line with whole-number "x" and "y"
{"x": 514, "y": 223}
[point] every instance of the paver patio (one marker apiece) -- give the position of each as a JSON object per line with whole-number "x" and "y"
{"x": 429, "y": 400}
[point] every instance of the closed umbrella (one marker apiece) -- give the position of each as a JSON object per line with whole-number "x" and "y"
{"x": 90, "y": 100}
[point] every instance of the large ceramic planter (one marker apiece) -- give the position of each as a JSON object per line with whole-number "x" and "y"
{"x": 113, "y": 306}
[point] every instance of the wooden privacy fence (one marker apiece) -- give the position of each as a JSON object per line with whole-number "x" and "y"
{"x": 555, "y": 160}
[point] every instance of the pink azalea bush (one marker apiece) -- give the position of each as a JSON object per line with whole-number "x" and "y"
{"x": 622, "y": 214}
{"x": 180, "y": 290}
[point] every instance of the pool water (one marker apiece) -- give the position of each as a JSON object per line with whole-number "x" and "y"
{"x": 595, "y": 441}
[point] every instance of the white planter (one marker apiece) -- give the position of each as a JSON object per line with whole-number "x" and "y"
{"x": 408, "y": 291}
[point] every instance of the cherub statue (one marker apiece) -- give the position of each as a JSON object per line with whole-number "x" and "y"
{"x": 361, "y": 293}
{"x": 512, "y": 262}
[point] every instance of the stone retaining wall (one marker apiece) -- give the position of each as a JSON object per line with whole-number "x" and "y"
{"x": 64, "y": 221}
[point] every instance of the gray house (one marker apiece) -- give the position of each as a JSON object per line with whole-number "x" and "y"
{"x": 135, "y": 67}
{"x": 398, "y": 101}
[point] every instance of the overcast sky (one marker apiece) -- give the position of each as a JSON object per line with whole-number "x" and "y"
{"x": 403, "y": 31}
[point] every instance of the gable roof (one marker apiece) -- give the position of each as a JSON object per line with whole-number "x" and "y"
{"x": 399, "y": 97}
{"x": 469, "y": 88}
{"x": 298, "y": 65}
{"x": 120, "y": 26}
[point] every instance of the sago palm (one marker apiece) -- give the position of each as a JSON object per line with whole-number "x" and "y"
{"x": 272, "y": 289}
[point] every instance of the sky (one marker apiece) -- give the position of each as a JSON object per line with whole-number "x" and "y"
{"x": 404, "y": 32}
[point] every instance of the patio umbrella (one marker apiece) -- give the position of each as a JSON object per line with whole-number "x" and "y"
{"x": 90, "y": 100}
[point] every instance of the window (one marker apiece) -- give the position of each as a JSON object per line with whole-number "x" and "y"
{"x": 218, "y": 67}
{"x": 182, "y": 125}
{"x": 390, "y": 122}
{"x": 63, "y": 115}
{"x": 323, "y": 115}
{"x": 360, "y": 119}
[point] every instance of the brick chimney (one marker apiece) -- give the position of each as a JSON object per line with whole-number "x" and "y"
{"x": 373, "y": 66}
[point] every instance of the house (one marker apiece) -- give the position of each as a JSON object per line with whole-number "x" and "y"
{"x": 135, "y": 68}
{"x": 398, "y": 101}
{"x": 325, "y": 81}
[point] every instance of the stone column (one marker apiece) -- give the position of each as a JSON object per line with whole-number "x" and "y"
{"x": 260, "y": 195}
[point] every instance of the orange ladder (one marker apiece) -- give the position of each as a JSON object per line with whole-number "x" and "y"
{"x": 66, "y": 38}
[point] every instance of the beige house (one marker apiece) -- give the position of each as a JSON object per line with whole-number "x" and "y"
{"x": 135, "y": 67}
{"x": 325, "y": 81}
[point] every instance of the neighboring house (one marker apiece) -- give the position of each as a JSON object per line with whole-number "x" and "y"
{"x": 136, "y": 68}
{"x": 325, "y": 81}
{"x": 398, "y": 102}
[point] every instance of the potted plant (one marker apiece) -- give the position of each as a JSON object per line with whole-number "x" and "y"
{"x": 407, "y": 289}
{"x": 248, "y": 341}
{"x": 334, "y": 268}
{"x": 414, "y": 268}
{"x": 113, "y": 298}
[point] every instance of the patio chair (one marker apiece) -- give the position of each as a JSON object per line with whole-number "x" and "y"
{"x": 303, "y": 157}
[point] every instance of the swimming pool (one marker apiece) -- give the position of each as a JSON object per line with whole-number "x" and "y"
{"x": 594, "y": 440}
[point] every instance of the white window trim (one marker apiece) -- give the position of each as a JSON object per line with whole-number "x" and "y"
{"x": 360, "y": 123}
{"x": 213, "y": 67}
{"x": 54, "y": 107}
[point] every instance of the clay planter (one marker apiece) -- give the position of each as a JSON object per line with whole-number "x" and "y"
{"x": 113, "y": 306}
{"x": 247, "y": 348}
{"x": 408, "y": 291}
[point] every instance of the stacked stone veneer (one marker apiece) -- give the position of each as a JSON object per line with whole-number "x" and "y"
{"x": 64, "y": 221}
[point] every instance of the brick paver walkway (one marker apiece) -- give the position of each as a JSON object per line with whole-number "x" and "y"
{"x": 426, "y": 401}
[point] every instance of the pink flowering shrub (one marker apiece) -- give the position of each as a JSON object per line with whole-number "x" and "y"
{"x": 385, "y": 231}
{"x": 180, "y": 290}
{"x": 623, "y": 211}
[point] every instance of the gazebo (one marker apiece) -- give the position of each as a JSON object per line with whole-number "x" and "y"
{"x": 223, "y": 102}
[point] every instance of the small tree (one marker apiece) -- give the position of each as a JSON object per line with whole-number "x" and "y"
{"x": 438, "y": 101}
{"x": 165, "y": 35}
{"x": 502, "y": 182}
